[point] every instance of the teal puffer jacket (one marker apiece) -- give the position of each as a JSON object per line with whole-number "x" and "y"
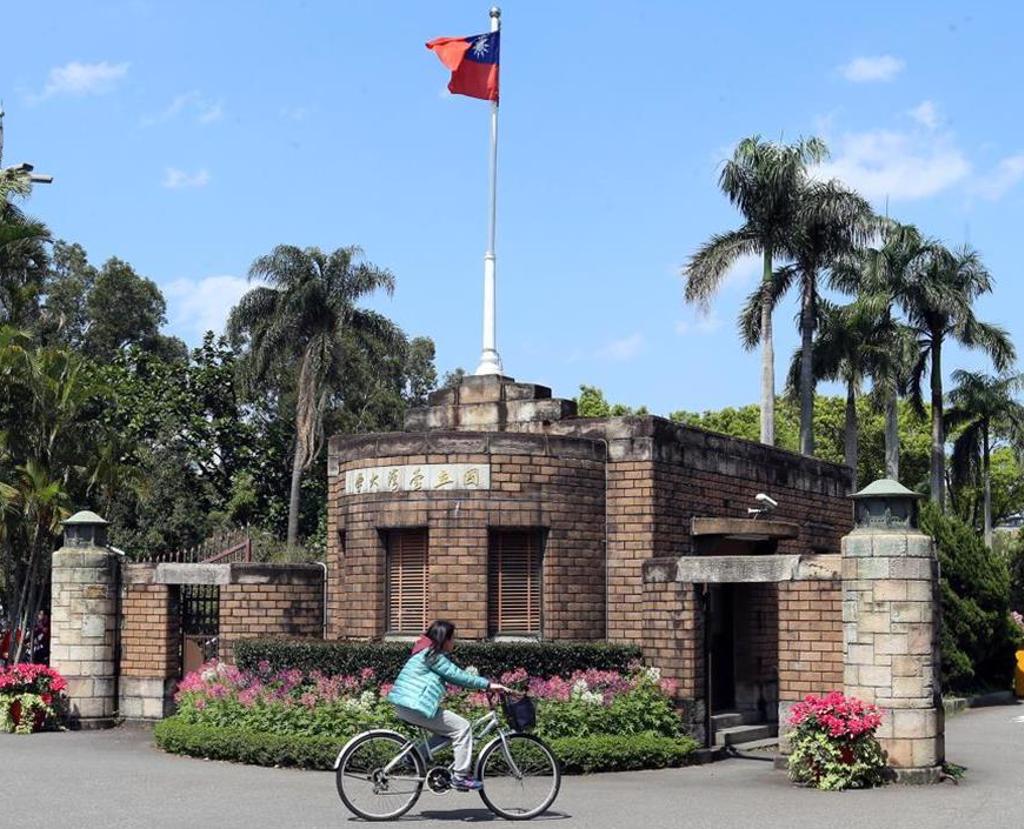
{"x": 420, "y": 684}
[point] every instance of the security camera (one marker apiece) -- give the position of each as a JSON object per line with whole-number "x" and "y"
{"x": 770, "y": 502}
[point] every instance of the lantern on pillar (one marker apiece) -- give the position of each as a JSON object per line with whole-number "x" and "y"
{"x": 85, "y": 529}
{"x": 885, "y": 505}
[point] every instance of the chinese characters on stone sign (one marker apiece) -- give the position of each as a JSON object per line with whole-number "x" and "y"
{"x": 424, "y": 477}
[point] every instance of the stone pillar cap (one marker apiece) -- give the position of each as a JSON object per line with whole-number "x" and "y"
{"x": 886, "y": 488}
{"x": 85, "y": 517}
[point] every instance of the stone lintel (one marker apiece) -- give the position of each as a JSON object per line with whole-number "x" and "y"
{"x": 174, "y": 573}
{"x": 238, "y": 573}
{"x": 745, "y": 569}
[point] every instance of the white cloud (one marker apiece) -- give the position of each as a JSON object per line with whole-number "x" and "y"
{"x": 623, "y": 349}
{"x": 199, "y": 305}
{"x": 210, "y": 113}
{"x": 699, "y": 323}
{"x": 926, "y": 114}
{"x": 1006, "y": 175}
{"x": 294, "y": 113}
{"x": 900, "y": 165}
{"x": 204, "y": 110}
{"x": 874, "y": 68}
{"x": 175, "y": 179}
{"x": 79, "y": 79}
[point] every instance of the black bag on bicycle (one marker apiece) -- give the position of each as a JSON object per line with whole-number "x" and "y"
{"x": 521, "y": 714}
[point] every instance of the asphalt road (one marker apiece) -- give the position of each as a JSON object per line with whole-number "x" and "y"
{"x": 117, "y": 779}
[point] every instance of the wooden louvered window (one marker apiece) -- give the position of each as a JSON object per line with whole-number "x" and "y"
{"x": 514, "y": 583}
{"x": 407, "y": 581}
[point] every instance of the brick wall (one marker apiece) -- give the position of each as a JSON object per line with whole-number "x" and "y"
{"x": 631, "y": 533}
{"x": 810, "y": 638}
{"x": 662, "y": 475}
{"x": 553, "y": 484}
{"x": 673, "y": 640}
{"x": 150, "y": 632}
{"x": 269, "y": 609}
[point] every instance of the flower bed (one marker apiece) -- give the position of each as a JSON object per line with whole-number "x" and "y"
{"x": 833, "y": 742}
{"x": 31, "y": 698}
{"x": 625, "y": 720}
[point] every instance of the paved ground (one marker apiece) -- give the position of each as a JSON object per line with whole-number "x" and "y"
{"x": 117, "y": 779}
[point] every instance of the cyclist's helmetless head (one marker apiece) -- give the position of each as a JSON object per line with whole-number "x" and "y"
{"x": 441, "y": 635}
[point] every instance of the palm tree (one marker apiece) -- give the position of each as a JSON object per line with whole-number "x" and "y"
{"x": 840, "y": 353}
{"x": 301, "y": 323}
{"x": 937, "y": 295}
{"x": 32, "y": 508}
{"x": 982, "y": 406}
{"x": 764, "y": 180}
{"x": 22, "y": 255}
{"x": 830, "y": 224}
{"x": 873, "y": 272}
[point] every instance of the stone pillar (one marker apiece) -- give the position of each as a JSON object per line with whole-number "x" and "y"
{"x": 891, "y": 629}
{"x": 83, "y": 613}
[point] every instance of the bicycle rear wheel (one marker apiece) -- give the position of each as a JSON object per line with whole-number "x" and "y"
{"x": 368, "y": 786}
{"x": 521, "y": 777}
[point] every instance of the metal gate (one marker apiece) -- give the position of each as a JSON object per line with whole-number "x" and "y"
{"x": 200, "y": 612}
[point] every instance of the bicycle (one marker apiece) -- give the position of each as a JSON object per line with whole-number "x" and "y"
{"x": 380, "y": 773}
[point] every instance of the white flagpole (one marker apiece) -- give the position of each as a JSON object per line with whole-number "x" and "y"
{"x": 490, "y": 362}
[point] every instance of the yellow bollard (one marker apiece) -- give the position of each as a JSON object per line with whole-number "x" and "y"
{"x": 1018, "y": 675}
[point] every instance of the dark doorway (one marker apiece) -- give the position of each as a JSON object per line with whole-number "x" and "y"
{"x": 722, "y": 647}
{"x": 200, "y": 625}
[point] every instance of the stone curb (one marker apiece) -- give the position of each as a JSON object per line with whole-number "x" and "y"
{"x": 956, "y": 705}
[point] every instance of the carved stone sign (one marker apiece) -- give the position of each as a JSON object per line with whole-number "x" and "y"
{"x": 424, "y": 477}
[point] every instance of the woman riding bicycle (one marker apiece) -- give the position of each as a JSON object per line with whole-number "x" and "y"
{"x": 418, "y": 691}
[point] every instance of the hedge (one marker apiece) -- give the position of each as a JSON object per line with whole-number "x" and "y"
{"x": 577, "y": 754}
{"x": 978, "y": 641}
{"x": 543, "y": 659}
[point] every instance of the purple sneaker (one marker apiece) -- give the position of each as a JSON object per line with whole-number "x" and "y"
{"x": 466, "y": 784}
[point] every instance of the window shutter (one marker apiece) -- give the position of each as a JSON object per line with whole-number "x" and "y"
{"x": 407, "y": 581}
{"x": 514, "y": 589}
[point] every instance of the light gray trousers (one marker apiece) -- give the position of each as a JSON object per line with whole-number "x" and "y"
{"x": 445, "y": 724}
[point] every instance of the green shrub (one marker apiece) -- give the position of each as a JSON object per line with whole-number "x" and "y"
{"x": 977, "y": 639}
{"x": 645, "y": 710}
{"x": 387, "y": 658}
{"x": 577, "y": 754}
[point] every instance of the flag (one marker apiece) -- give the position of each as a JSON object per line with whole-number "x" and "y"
{"x": 473, "y": 61}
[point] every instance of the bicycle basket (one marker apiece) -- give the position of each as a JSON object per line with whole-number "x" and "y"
{"x": 521, "y": 714}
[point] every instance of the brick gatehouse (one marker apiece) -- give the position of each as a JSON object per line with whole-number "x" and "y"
{"x": 501, "y": 510}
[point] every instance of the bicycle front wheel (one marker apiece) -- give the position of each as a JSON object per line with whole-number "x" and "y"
{"x": 521, "y": 776}
{"x": 376, "y": 780}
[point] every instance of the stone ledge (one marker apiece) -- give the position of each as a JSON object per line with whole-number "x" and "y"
{"x": 237, "y": 573}
{"x": 346, "y": 450}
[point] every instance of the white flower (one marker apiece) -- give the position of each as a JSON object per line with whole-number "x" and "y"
{"x": 592, "y": 698}
{"x": 653, "y": 674}
{"x": 209, "y": 675}
{"x": 580, "y": 687}
{"x": 472, "y": 670}
{"x": 366, "y": 699}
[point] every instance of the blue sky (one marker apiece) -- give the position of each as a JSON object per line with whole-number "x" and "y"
{"x": 189, "y": 138}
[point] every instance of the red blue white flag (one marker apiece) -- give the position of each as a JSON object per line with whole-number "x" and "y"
{"x": 473, "y": 61}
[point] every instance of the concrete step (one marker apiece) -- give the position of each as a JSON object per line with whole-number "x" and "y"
{"x": 745, "y": 734}
{"x": 756, "y": 745}
{"x": 726, "y": 719}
